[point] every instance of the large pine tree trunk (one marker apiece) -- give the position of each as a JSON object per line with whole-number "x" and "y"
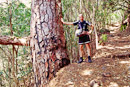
{"x": 48, "y": 42}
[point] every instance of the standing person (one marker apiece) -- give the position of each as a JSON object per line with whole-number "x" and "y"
{"x": 84, "y": 38}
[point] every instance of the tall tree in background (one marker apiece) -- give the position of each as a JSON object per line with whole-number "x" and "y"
{"x": 128, "y": 18}
{"x": 48, "y": 42}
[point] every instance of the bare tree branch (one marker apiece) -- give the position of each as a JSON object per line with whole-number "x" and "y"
{"x": 118, "y": 9}
{"x": 127, "y": 1}
{"x": 124, "y": 6}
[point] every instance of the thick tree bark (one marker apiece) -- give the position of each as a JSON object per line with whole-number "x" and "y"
{"x": 48, "y": 42}
{"x": 6, "y": 40}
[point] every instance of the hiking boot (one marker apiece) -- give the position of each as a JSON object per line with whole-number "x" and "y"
{"x": 89, "y": 59}
{"x": 80, "y": 60}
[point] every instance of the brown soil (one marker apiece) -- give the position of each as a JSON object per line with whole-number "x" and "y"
{"x": 111, "y": 66}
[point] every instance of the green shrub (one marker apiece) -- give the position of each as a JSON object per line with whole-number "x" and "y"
{"x": 123, "y": 27}
{"x": 104, "y": 37}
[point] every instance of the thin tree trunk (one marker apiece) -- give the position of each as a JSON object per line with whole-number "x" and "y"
{"x": 10, "y": 62}
{"x": 9, "y": 69}
{"x": 94, "y": 44}
{"x": 80, "y": 6}
{"x": 96, "y": 36}
{"x": 97, "y": 4}
{"x": 128, "y": 23}
{"x": 48, "y": 42}
{"x": 9, "y": 66}
{"x": 13, "y": 48}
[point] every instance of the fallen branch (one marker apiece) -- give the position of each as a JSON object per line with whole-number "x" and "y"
{"x": 11, "y": 40}
{"x": 121, "y": 55}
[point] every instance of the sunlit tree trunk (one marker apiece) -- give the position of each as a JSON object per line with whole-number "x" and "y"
{"x": 128, "y": 22}
{"x": 80, "y": 6}
{"x": 94, "y": 36}
{"x": 48, "y": 42}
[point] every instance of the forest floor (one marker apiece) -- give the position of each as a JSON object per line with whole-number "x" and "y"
{"x": 110, "y": 67}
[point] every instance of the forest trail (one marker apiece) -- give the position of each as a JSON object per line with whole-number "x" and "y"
{"x": 111, "y": 66}
{"x": 117, "y": 45}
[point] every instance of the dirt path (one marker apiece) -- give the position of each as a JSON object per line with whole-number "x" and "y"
{"x": 118, "y": 45}
{"x": 110, "y": 67}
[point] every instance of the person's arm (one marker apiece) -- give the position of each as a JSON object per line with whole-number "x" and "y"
{"x": 92, "y": 28}
{"x": 67, "y": 23}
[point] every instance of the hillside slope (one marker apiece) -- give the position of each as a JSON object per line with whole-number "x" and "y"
{"x": 110, "y": 67}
